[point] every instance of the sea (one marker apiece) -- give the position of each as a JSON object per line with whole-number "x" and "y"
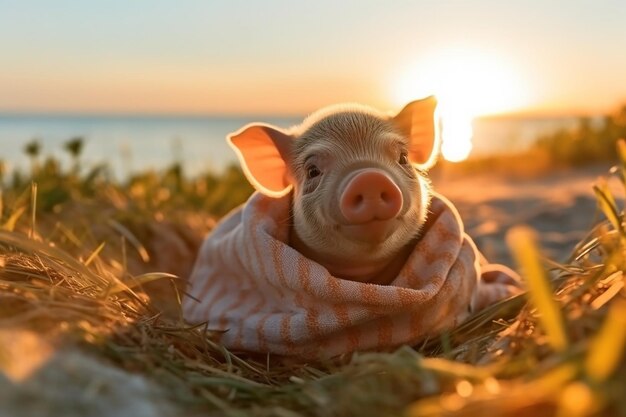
{"x": 130, "y": 144}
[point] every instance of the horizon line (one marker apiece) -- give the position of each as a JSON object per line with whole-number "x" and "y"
{"x": 140, "y": 114}
{"x": 523, "y": 114}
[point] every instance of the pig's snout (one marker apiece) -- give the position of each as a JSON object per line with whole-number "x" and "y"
{"x": 370, "y": 195}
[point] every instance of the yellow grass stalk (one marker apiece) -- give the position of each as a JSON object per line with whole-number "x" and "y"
{"x": 621, "y": 152}
{"x": 608, "y": 345}
{"x": 457, "y": 369}
{"x": 522, "y": 241}
{"x": 139, "y": 280}
{"x": 9, "y": 225}
{"x": 33, "y": 207}
{"x": 616, "y": 282}
{"x": 607, "y": 204}
{"x": 95, "y": 254}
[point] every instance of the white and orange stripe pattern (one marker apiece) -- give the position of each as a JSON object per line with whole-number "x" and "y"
{"x": 268, "y": 298}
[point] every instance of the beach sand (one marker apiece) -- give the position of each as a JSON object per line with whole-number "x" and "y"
{"x": 560, "y": 206}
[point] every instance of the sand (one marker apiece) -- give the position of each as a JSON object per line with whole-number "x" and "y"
{"x": 560, "y": 206}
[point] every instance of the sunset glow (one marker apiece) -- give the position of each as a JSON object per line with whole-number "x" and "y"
{"x": 467, "y": 84}
{"x": 233, "y": 58}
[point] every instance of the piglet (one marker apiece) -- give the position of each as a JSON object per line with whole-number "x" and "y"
{"x": 345, "y": 246}
{"x": 360, "y": 191}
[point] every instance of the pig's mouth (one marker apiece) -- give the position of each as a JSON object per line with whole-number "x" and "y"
{"x": 374, "y": 231}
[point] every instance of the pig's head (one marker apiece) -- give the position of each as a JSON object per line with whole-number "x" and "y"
{"x": 360, "y": 194}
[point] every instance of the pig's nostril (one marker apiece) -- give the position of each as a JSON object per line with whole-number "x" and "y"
{"x": 368, "y": 196}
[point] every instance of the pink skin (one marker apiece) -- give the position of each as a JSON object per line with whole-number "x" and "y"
{"x": 370, "y": 207}
{"x": 358, "y": 201}
{"x": 369, "y": 203}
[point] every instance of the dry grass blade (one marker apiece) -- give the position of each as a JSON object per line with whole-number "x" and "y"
{"x": 61, "y": 259}
{"x": 9, "y": 225}
{"x": 141, "y": 250}
{"x": 94, "y": 254}
{"x": 621, "y": 153}
{"x": 608, "y": 205}
{"x": 139, "y": 280}
{"x": 456, "y": 369}
{"x": 616, "y": 281}
{"x": 33, "y": 207}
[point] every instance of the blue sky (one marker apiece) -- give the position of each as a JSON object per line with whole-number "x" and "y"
{"x": 291, "y": 57}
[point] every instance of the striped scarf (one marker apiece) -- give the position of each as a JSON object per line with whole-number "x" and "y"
{"x": 268, "y": 298}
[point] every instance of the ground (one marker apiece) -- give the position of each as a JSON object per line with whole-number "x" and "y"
{"x": 561, "y": 206}
{"x": 78, "y": 336}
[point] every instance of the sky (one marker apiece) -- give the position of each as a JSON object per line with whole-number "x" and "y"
{"x": 288, "y": 57}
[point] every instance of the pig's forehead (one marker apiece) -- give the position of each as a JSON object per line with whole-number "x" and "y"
{"x": 349, "y": 128}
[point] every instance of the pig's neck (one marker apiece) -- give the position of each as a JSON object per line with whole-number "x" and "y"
{"x": 381, "y": 272}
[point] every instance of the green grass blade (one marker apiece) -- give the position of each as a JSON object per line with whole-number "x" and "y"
{"x": 522, "y": 242}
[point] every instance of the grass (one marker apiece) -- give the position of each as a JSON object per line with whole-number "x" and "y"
{"x": 77, "y": 265}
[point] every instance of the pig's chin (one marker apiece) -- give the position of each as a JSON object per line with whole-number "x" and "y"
{"x": 371, "y": 233}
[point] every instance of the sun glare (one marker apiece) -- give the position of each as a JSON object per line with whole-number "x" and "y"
{"x": 467, "y": 83}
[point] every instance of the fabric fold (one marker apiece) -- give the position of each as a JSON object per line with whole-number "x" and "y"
{"x": 268, "y": 298}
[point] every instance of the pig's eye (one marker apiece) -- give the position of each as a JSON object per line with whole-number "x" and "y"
{"x": 312, "y": 171}
{"x": 404, "y": 158}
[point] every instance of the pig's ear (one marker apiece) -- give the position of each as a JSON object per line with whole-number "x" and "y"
{"x": 264, "y": 153}
{"x": 419, "y": 122}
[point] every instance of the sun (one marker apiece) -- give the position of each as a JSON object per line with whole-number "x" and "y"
{"x": 467, "y": 83}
